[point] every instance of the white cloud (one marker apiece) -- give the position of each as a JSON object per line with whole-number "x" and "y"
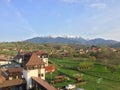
{"x": 98, "y": 5}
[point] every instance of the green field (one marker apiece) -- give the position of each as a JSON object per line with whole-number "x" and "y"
{"x": 99, "y": 77}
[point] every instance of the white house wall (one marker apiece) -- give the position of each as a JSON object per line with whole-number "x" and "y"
{"x": 3, "y": 62}
{"x": 43, "y": 72}
{"x": 20, "y": 60}
{"x": 27, "y": 74}
{"x": 46, "y": 61}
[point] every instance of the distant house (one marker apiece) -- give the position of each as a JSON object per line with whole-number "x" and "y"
{"x": 81, "y": 51}
{"x": 5, "y": 49}
{"x": 59, "y": 78}
{"x": 19, "y": 58}
{"x": 95, "y": 49}
{"x": 3, "y": 61}
{"x": 113, "y": 49}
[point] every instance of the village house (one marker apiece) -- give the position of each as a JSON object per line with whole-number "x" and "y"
{"x": 81, "y": 51}
{"x": 5, "y": 49}
{"x": 33, "y": 66}
{"x": 11, "y": 79}
{"x": 42, "y": 55}
{"x": 112, "y": 49}
{"x": 3, "y": 61}
{"x": 95, "y": 49}
{"x": 30, "y": 76}
{"x": 19, "y": 58}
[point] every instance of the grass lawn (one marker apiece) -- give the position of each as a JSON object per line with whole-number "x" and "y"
{"x": 97, "y": 78}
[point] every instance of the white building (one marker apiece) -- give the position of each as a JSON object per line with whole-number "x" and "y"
{"x": 3, "y": 61}
{"x": 33, "y": 66}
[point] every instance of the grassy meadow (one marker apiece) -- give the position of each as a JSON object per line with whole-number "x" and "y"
{"x": 99, "y": 77}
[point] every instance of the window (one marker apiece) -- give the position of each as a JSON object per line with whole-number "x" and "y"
{"x": 42, "y": 74}
{"x": 38, "y": 75}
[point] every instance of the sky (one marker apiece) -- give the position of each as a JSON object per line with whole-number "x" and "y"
{"x": 24, "y": 19}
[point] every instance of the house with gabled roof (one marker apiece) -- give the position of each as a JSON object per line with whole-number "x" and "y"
{"x": 33, "y": 66}
{"x": 31, "y": 76}
{"x": 42, "y": 55}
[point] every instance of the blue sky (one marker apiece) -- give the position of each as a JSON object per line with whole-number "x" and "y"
{"x": 23, "y": 19}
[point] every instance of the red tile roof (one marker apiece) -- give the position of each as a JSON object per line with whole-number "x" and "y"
{"x": 40, "y": 52}
{"x": 43, "y": 83}
{"x": 50, "y": 68}
{"x": 34, "y": 60}
{"x": 2, "y": 79}
{"x": 11, "y": 70}
{"x": 3, "y": 59}
{"x": 9, "y": 83}
{"x": 79, "y": 79}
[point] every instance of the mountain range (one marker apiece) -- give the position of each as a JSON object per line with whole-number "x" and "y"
{"x": 77, "y": 40}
